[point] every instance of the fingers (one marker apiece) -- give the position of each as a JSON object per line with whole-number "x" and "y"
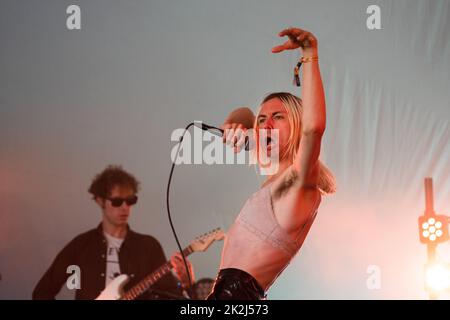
{"x": 176, "y": 259}
{"x": 301, "y": 37}
{"x": 177, "y": 256}
{"x": 307, "y": 40}
{"x": 180, "y": 269}
{"x": 177, "y": 262}
{"x": 229, "y": 134}
{"x": 225, "y": 127}
{"x": 278, "y": 49}
{"x": 291, "y": 32}
{"x": 297, "y": 38}
{"x": 234, "y": 135}
{"x": 240, "y": 142}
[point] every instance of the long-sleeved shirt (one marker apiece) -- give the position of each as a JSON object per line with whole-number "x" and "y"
{"x": 139, "y": 255}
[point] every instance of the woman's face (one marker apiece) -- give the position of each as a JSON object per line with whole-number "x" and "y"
{"x": 273, "y": 115}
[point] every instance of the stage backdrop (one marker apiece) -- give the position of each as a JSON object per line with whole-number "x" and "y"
{"x": 74, "y": 101}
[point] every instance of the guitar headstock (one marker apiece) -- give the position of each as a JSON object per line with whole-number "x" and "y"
{"x": 201, "y": 243}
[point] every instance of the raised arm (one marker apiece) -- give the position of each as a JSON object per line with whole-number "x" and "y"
{"x": 313, "y": 99}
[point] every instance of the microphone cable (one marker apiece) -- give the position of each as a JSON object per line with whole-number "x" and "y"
{"x": 205, "y": 127}
{"x": 168, "y": 203}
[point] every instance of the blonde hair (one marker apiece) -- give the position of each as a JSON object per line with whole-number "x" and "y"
{"x": 294, "y": 109}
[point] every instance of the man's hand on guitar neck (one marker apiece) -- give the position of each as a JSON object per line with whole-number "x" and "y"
{"x": 180, "y": 270}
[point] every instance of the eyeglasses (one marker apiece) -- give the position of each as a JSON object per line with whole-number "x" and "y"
{"x": 117, "y": 202}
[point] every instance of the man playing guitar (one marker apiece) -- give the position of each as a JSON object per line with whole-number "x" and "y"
{"x": 113, "y": 248}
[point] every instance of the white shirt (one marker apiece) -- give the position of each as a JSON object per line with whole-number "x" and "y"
{"x": 112, "y": 258}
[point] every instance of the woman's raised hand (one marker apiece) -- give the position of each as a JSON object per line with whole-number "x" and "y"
{"x": 298, "y": 38}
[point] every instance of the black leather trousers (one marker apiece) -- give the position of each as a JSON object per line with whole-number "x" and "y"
{"x": 235, "y": 284}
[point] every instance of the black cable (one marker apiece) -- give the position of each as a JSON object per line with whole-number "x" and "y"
{"x": 168, "y": 206}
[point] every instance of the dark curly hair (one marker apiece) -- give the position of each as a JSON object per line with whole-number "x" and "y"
{"x": 112, "y": 176}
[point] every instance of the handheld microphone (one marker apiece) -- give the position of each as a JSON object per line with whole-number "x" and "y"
{"x": 219, "y": 132}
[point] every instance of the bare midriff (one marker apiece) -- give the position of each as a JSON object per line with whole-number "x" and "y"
{"x": 256, "y": 243}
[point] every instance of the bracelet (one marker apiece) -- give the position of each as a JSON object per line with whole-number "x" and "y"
{"x": 309, "y": 59}
{"x": 299, "y": 64}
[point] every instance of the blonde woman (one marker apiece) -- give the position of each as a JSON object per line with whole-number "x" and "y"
{"x": 275, "y": 220}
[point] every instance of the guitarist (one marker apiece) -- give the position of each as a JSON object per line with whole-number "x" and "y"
{"x": 113, "y": 248}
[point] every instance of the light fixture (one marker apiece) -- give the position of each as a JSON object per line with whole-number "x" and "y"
{"x": 437, "y": 277}
{"x": 433, "y": 229}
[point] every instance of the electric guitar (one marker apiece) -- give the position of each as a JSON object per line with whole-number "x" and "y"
{"x": 114, "y": 291}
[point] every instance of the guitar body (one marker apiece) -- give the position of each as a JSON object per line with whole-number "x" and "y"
{"x": 114, "y": 290}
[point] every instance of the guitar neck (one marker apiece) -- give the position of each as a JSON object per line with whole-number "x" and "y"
{"x": 152, "y": 278}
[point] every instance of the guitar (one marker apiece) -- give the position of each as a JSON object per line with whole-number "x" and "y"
{"x": 115, "y": 291}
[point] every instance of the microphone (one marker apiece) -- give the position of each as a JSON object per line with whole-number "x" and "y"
{"x": 218, "y": 132}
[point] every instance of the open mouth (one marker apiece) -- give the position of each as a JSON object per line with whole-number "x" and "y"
{"x": 271, "y": 142}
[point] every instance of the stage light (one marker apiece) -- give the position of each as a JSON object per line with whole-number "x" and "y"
{"x": 433, "y": 229}
{"x": 437, "y": 277}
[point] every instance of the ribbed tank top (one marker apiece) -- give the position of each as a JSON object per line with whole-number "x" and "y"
{"x": 257, "y": 244}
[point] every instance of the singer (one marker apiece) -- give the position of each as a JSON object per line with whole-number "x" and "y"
{"x": 274, "y": 222}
